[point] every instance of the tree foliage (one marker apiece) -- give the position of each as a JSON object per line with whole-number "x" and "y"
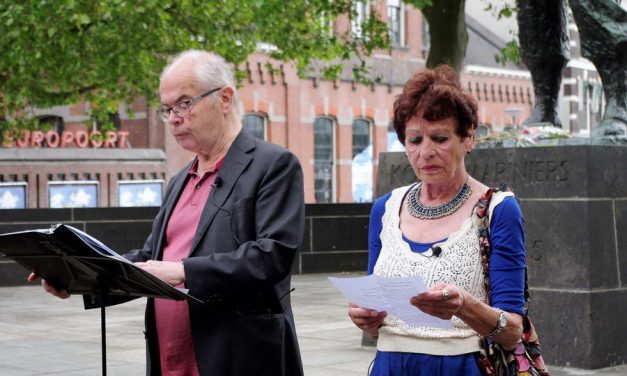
{"x": 511, "y": 51}
{"x": 107, "y": 52}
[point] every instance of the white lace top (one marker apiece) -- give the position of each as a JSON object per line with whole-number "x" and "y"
{"x": 459, "y": 263}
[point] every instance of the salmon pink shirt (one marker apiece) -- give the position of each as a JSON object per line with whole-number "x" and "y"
{"x": 176, "y": 348}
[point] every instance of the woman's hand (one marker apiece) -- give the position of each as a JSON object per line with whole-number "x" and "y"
{"x": 442, "y": 300}
{"x": 367, "y": 320}
{"x": 63, "y": 294}
{"x": 478, "y": 315}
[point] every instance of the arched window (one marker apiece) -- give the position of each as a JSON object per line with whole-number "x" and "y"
{"x": 324, "y": 160}
{"x": 362, "y": 164}
{"x": 361, "y": 135}
{"x": 255, "y": 124}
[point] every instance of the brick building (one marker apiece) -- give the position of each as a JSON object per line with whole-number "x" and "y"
{"x": 336, "y": 128}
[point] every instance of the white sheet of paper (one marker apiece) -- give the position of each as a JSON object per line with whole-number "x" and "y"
{"x": 389, "y": 294}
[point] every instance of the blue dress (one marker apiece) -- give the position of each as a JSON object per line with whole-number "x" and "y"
{"x": 507, "y": 280}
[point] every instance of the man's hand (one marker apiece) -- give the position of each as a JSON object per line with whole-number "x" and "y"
{"x": 63, "y": 294}
{"x": 170, "y": 271}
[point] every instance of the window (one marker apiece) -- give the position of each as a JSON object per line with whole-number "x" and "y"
{"x": 140, "y": 193}
{"x": 591, "y": 105}
{"x": 426, "y": 38}
{"x": 393, "y": 143}
{"x": 360, "y": 15}
{"x": 326, "y": 24}
{"x": 48, "y": 123}
{"x": 324, "y": 160}
{"x": 13, "y": 195}
{"x": 396, "y": 22}
{"x": 73, "y": 194}
{"x": 256, "y": 125}
{"x": 111, "y": 123}
{"x": 362, "y": 164}
{"x": 361, "y": 135}
{"x": 51, "y": 123}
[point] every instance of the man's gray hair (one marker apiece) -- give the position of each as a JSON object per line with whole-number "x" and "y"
{"x": 211, "y": 70}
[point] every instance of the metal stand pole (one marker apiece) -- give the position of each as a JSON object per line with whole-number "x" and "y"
{"x": 103, "y": 327}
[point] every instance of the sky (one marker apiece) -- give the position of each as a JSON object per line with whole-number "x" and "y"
{"x": 503, "y": 27}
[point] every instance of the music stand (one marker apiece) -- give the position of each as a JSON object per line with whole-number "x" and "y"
{"x": 73, "y": 260}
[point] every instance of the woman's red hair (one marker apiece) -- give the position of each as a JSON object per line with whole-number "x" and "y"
{"x": 435, "y": 94}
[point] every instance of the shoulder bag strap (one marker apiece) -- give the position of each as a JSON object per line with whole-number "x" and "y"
{"x": 482, "y": 210}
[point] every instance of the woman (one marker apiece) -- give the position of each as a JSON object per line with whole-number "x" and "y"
{"x": 430, "y": 229}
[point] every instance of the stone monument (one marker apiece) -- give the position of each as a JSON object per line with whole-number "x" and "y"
{"x": 574, "y": 200}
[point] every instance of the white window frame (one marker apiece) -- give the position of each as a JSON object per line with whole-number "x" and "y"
{"x": 18, "y": 184}
{"x": 362, "y": 13}
{"x": 401, "y": 21}
{"x": 122, "y": 183}
{"x": 95, "y": 183}
{"x": 333, "y": 157}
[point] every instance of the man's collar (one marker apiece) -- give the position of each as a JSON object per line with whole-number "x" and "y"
{"x": 194, "y": 167}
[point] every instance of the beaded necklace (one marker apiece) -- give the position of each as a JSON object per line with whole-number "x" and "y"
{"x": 417, "y": 209}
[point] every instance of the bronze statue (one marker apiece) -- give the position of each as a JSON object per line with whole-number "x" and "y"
{"x": 544, "y": 45}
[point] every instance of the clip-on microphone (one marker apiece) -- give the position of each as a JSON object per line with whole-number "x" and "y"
{"x": 436, "y": 251}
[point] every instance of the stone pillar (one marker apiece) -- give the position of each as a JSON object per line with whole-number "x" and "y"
{"x": 574, "y": 200}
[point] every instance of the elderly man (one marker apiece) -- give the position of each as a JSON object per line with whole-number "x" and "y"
{"x": 229, "y": 228}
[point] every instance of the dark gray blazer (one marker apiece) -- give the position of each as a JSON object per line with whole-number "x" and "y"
{"x": 239, "y": 263}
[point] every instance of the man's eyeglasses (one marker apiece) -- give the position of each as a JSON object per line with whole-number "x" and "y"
{"x": 183, "y": 108}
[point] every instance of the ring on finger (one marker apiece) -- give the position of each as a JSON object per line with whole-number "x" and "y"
{"x": 445, "y": 295}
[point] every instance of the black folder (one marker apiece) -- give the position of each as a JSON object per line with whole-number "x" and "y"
{"x": 73, "y": 260}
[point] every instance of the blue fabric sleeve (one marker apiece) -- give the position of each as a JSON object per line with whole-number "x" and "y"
{"x": 374, "y": 231}
{"x": 507, "y": 262}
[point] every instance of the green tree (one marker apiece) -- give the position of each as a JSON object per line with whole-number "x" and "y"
{"x": 107, "y": 52}
{"x": 59, "y": 52}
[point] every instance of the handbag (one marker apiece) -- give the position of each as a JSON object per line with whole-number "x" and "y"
{"x": 525, "y": 359}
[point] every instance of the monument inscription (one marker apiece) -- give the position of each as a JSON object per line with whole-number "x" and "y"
{"x": 539, "y": 172}
{"x": 535, "y": 172}
{"x": 527, "y": 172}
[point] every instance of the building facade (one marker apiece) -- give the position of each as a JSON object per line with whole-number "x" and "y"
{"x": 336, "y": 128}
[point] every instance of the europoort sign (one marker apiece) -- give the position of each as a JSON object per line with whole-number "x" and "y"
{"x": 80, "y": 138}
